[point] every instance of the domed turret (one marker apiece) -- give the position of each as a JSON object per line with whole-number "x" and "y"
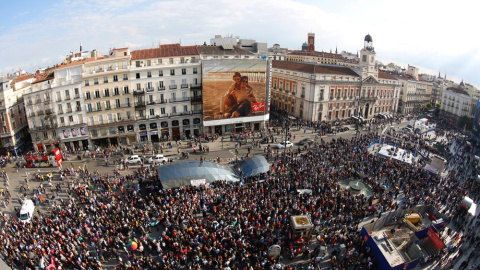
{"x": 368, "y": 38}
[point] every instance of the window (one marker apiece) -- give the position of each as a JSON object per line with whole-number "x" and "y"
{"x": 129, "y": 115}
{"x": 139, "y": 86}
{"x": 95, "y": 81}
{"x": 174, "y": 109}
{"x": 67, "y": 94}
{"x": 105, "y": 79}
{"x": 70, "y": 119}
{"x": 321, "y": 94}
{"x": 160, "y": 73}
{"x": 54, "y": 133}
{"x": 87, "y": 83}
{"x": 77, "y": 93}
{"x": 106, "y": 92}
{"x": 137, "y": 75}
{"x": 117, "y": 103}
{"x": 172, "y": 72}
{"x": 162, "y": 110}
{"x": 152, "y": 112}
{"x": 87, "y": 95}
{"x": 116, "y": 92}
{"x": 149, "y": 63}
{"x": 99, "y": 106}
{"x": 170, "y": 60}
{"x": 115, "y": 78}
{"x": 149, "y": 74}
{"x": 89, "y": 107}
{"x": 331, "y": 93}
{"x": 137, "y": 64}
{"x": 364, "y": 58}
{"x": 127, "y": 102}
{"x": 195, "y": 70}
{"x": 125, "y": 90}
{"x": 125, "y": 77}
{"x": 45, "y": 135}
{"x": 184, "y": 71}
{"x": 107, "y": 105}
{"x": 185, "y": 108}
{"x": 60, "y": 108}
{"x": 97, "y": 94}
{"x": 159, "y": 61}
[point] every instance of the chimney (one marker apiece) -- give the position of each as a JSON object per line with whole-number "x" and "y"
{"x": 81, "y": 47}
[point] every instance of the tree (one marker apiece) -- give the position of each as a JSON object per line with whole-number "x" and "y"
{"x": 428, "y": 106}
{"x": 437, "y": 109}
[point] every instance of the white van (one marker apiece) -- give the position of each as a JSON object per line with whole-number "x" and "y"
{"x": 27, "y": 210}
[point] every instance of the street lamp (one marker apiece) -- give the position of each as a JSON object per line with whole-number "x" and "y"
{"x": 287, "y": 128}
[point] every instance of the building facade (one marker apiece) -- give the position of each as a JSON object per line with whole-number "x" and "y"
{"x": 14, "y": 135}
{"x": 415, "y": 93}
{"x": 167, "y": 92}
{"x": 314, "y": 92}
{"x": 456, "y": 102}
{"x": 109, "y": 99}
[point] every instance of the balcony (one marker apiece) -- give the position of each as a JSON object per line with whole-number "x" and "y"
{"x": 79, "y": 109}
{"x": 150, "y": 89}
{"x": 138, "y": 92}
{"x": 151, "y": 103}
{"x": 140, "y": 104}
{"x": 47, "y": 101}
{"x": 128, "y": 105}
{"x": 77, "y": 96}
{"x": 48, "y": 111}
{"x": 184, "y": 85}
{"x": 195, "y": 86}
{"x": 197, "y": 111}
{"x": 196, "y": 99}
{"x": 161, "y": 88}
{"x": 40, "y": 113}
{"x": 172, "y": 100}
{"x": 302, "y": 95}
{"x": 38, "y": 101}
{"x": 173, "y": 87}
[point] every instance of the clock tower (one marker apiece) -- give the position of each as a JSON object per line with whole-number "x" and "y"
{"x": 367, "y": 58}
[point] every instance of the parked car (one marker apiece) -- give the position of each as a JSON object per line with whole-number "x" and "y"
{"x": 133, "y": 159}
{"x": 287, "y": 144}
{"x": 158, "y": 159}
{"x": 306, "y": 141}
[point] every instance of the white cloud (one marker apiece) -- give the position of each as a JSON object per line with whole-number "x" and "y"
{"x": 434, "y": 34}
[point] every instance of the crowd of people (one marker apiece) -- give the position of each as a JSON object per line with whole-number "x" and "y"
{"x": 232, "y": 225}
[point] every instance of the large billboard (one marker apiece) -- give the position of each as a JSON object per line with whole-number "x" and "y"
{"x": 234, "y": 91}
{"x": 476, "y": 122}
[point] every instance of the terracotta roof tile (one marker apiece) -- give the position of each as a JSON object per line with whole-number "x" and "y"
{"x": 21, "y": 78}
{"x": 317, "y": 54}
{"x": 314, "y": 68}
{"x": 385, "y": 75}
{"x": 165, "y": 51}
{"x": 458, "y": 90}
{"x": 71, "y": 64}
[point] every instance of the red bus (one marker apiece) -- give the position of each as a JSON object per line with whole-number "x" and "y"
{"x": 53, "y": 158}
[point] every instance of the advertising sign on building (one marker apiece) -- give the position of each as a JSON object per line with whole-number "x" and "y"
{"x": 437, "y": 242}
{"x": 234, "y": 91}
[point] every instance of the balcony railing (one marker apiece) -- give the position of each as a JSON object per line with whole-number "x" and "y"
{"x": 196, "y": 98}
{"x": 184, "y": 85}
{"x": 40, "y": 113}
{"x": 150, "y": 89}
{"x": 179, "y": 100}
{"x": 48, "y": 111}
{"x": 161, "y": 88}
{"x": 172, "y": 87}
{"x": 138, "y": 92}
{"x": 140, "y": 104}
{"x": 47, "y": 101}
{"x": 195, "y": 86}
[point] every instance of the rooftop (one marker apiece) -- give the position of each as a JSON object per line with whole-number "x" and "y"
{"x": 221, "y": 50}
{"x": 457, "y": 90}
{"x": 314, "y": 68}
{"x": 167, "y": 50}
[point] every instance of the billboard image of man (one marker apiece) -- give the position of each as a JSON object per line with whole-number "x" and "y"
{"x": 238, "y": 100}
{"x": 233, "y": 89}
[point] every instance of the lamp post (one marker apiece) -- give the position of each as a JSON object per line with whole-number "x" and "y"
{"x": 287, "y": 128}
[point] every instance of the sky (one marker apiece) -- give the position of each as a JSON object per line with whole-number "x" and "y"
{"x": 436, "y": 36}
